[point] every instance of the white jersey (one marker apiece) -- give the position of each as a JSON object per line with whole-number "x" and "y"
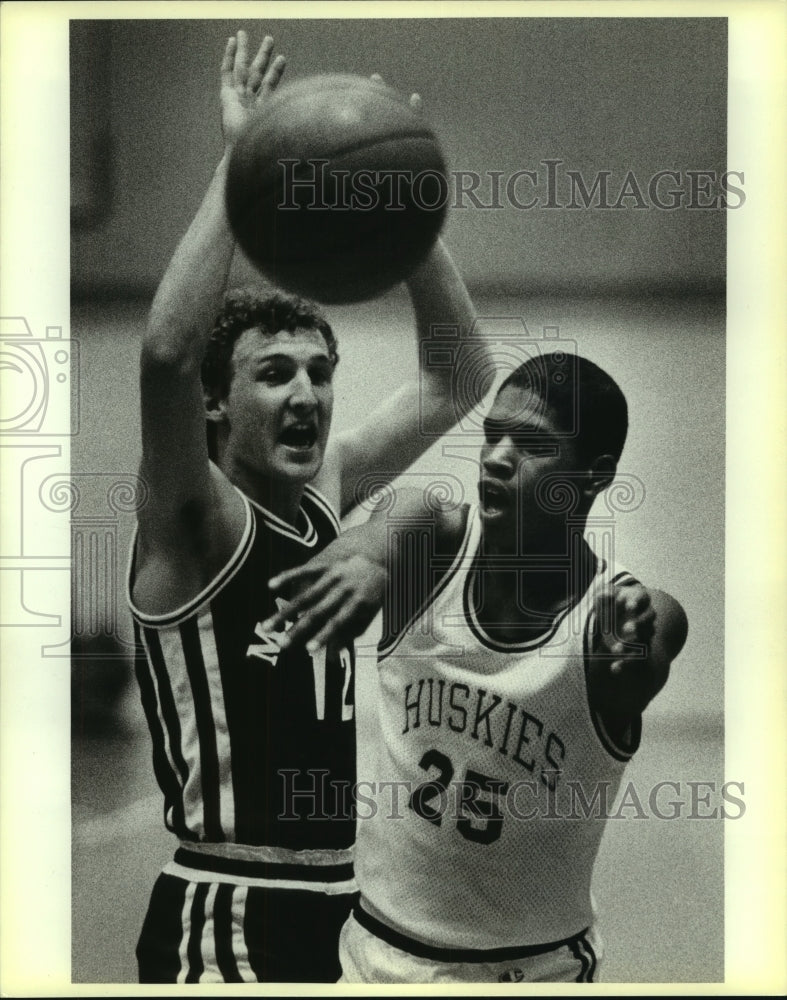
{"x": 489, "y": 838}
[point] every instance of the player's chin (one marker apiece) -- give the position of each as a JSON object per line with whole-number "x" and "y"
{"x": 497, "y": 517}
{"x": 300, "y": 463}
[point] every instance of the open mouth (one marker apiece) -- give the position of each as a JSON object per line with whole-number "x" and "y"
{"x": 494, "y": 498}
{"x": 301, "y": 436}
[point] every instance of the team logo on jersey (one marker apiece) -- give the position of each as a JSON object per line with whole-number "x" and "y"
{"x": 511, "y": 976}
{"x": 269, "y": 646}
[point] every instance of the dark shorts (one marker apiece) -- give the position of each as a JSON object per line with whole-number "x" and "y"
{"x": 218, "y": 932}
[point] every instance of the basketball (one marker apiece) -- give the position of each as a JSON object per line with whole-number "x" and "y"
{"x": 337, "y": 188}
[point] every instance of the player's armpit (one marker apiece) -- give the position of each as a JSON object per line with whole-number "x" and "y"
{"x": 180, "y": 550}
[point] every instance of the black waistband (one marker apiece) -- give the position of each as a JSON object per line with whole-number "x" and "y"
{"x": 263, "y": 869}
{"x": 421, "y": 950}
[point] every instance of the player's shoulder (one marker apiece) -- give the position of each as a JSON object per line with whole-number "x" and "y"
{"x": 411, "y": 503}
{"x": 417, "y": 510}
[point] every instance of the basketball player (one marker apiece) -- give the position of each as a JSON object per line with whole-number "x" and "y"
{"x": 254, "y": 892}
{"x": 514, "y": 667}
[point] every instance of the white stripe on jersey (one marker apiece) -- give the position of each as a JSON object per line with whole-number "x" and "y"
{"x": 183, "y": 951}
{"x": 164, "y": 728}
{"x": 325, "y": 504}
{"x": 281, "y": 527}
{"x": 174, "y": 657}
{"x": 210, "y": 657}
{"x": 210, "y": 963}
{"x": 239, "y": 947}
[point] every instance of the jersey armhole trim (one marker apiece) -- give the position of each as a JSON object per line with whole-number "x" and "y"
{"x": 218, "y": 583}
{"x": 616, "y": 749}
{"x": 325, "y": 504}
{"x": 431, "y": 597}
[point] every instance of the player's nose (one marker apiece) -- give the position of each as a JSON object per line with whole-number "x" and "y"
{"x": 498, "y": 459}
{"x": 302, "y": 395}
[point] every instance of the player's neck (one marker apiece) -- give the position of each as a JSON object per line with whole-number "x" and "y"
{"x": 514, "y": 590}
{"x": 542, "y": 544}
{"x": 281, "y": 497}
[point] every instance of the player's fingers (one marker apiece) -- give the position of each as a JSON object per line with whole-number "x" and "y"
{"x": 259, "y": 64}
{"x": 416, "y": 103}
{"x": 301, "y": 604}
{"x": 310, "y": 623}
{"x": 240, "y": 69}
{"x": 640, "y": 627}
{"x": 635, "y": 601}
{"x": 335, "y": 627}
{"x": 228, "y": 61}
{"x": 376, "y": 78}
{"x": 296, "y": 575}
{"x": 274, "y": 74}
{"x": 307, "y": 599}
{"x": 277, "y": 621}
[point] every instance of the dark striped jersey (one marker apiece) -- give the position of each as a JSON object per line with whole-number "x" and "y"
{"x": 251, "y": 744}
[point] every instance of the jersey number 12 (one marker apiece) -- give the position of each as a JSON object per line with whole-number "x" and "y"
{"x": 319, "y": 667}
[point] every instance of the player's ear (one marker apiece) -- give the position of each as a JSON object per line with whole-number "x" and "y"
{"x": 600, "y": 475}
{"x": 215, "y": 406}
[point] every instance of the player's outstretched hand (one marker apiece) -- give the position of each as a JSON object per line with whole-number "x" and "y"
{"x": 625, "y": 621}
{"x": 621, "y": 674}
{"x": 245, "y": 85}
{"x": 637, "y": 633}
{"x": 328, "y": 600}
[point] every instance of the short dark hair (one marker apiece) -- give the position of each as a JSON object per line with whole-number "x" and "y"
{"x": 580, "y": 396}
{"x": 269, "y": 309}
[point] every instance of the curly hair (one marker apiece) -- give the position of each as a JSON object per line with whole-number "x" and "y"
{"x": 271, "y": 311}
{"x": 582, "y": 398}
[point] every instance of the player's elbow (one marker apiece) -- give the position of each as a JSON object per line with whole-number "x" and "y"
{"x": 441, "y": 405}
{"x": 164, "y": 351}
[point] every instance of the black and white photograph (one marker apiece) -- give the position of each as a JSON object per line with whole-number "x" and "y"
{"x": 393, "y": 484}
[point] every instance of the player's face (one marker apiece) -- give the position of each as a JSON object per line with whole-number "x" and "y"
{"x": 280, "y": 403}
{"x": 522, "y": 446}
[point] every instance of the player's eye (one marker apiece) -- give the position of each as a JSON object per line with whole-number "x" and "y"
{"x": 492, "y": 432}
{"x": 532, "y": 446}
{"x": 275, "y": 374}
{"x": 321, "y": 373}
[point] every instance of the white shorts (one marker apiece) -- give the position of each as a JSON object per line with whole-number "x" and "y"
{"x": 366, "y": 957}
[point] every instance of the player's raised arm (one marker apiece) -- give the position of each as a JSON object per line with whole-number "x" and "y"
{"x": 402, "y": 427}
{"x": 174, "y": 451}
